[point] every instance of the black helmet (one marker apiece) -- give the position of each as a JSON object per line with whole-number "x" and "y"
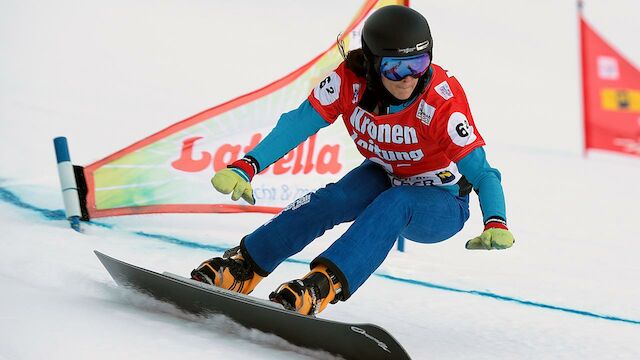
{"x": 392, "y": 30}
{"x": 396, "y": 30}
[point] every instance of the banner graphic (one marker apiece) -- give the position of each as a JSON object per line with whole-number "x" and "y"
{"x": 170, "y": 171}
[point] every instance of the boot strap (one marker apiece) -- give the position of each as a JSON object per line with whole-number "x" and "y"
{"x": 231, "y": 252}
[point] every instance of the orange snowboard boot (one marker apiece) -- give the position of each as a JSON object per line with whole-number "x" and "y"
{"x": 311, "y": 294}
{"x": 231, "y": 271}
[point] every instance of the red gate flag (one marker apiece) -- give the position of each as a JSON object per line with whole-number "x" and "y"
{"x": 611, "y": 96}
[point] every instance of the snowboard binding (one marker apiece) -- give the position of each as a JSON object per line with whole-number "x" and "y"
{"x": 311, "y": 294}
{"x": 233, "y": 271}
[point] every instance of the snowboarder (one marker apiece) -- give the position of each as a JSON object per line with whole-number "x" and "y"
{"x": 411, "y": 121}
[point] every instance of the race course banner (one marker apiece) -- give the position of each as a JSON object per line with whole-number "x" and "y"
{"x": 170, "y": 171}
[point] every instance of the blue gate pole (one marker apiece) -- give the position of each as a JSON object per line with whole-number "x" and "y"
{"x": 68, "y": 183}
{"x": 400, "y": 244}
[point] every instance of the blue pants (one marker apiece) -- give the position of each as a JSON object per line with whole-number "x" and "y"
{"x": 380, "y": 214}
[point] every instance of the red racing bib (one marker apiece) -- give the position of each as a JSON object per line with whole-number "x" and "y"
{"x": 418, "y": 145}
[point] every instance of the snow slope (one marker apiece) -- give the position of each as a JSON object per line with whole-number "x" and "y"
{"x": 108, "y": 74}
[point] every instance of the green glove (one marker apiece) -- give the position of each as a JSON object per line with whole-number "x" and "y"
{"x": 235, "y": 180}
{"x": 491, "y": 238}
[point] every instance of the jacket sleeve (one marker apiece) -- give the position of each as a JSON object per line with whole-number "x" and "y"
{"x": 486, "y": 182}
{"x": 292, "y": 128}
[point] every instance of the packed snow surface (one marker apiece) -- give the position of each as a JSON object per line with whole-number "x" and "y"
{"x": 106, "y": 74}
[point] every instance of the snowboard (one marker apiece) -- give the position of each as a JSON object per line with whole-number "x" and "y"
{"x": 351, "y": 341}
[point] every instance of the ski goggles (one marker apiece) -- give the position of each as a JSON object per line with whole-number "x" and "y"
{"x": 398, "y": 68}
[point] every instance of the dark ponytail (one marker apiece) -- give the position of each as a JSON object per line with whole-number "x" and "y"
{"x": 356, "y": 62}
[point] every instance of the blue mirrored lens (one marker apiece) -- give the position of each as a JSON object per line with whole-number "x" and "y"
{"x": 397, "y": 68}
